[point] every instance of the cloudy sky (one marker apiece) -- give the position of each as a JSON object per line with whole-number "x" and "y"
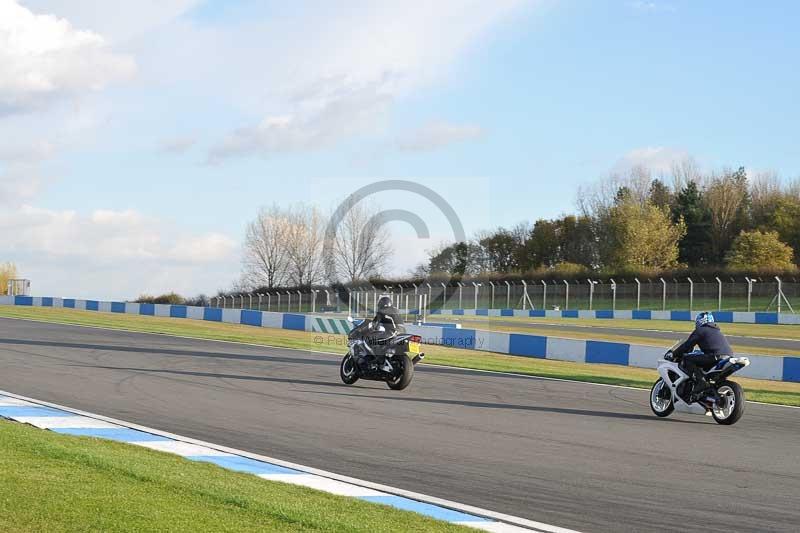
{"x": 137, "y": 137}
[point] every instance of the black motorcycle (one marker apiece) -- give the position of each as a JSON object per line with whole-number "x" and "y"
{"x": 366, "y": 346}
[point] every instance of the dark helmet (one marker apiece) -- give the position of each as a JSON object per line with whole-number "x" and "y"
{"x": 384, "y": 302}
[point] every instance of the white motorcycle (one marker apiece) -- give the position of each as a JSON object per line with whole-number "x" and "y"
{"x": 724, "y": 401}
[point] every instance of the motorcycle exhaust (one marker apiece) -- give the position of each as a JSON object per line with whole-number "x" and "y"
{"x": 418, "y": 358}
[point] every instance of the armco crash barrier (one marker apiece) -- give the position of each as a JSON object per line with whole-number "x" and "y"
{"x": 580, "y": 351}
{"x": 720, "y": 316}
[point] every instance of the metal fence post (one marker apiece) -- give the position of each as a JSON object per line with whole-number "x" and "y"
{"x": 460, "y": 295}
{"x": 691, "y": 294}
{"x": 663, "y": 294}
{"x": 749, "y": 291}
{"x": 475, "y": 286}
{"x": 508, "y": 295}
{"x": 544, "y": 295}
{"x": 492, "y": 284}
{"x": 613, "y": 295}
{"x": 779, "y": 296}
{"x": 299, "y": 302}
{"x": 566, "y": 294}
{"x": 524, "y": 295}
{"x": 719, "y": 295}
{"x": 638, "y": 293}
{"x": 430, "y": 296}
{"x": 591, "y": 293}
{"x": 250, "y": 301}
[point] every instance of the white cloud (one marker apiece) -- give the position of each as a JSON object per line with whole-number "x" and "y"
{"x": 437, "y": 134}
{"x": 344, "y": 80}
{"x": 19, "y": 183}
{"x": 44, "y": 57}
{"x": 641, "y": 5}
{"x": 176, "y": 145}
{"x": 344, "y": 116}
{"x": 117, "y": 20}
{"x": 128, "y": 252}
{"x": 106, "y": 235}
{"x": 21, "y": 177}
{"x": 658, "y": 159}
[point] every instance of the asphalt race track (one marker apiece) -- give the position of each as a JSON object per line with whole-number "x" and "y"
{"x": 670, "y": 337}
{"x": 582, "y": 456}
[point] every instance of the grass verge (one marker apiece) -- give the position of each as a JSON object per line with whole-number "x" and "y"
{"x": 52, "y": 482}
{"x": 757, "y": 390}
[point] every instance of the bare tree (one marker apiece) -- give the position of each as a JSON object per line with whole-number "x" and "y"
{"x": 266, "y": 242}
{"x": 304, "y": 245}
{"x": 362, "y": 245}
{"x": 684, "y": 172}
{"x": 596, "y": 200}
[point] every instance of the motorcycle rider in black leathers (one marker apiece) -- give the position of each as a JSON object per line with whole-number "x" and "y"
{"x": 708, "y": 337}
{"x": 389, "y": 317}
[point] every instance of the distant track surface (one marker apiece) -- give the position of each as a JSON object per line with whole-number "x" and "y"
{"x": 577, "y": 455}
{"x": 669, "y": 337}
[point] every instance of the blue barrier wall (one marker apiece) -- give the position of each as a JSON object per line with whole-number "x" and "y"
{"x": 785, "y": 368}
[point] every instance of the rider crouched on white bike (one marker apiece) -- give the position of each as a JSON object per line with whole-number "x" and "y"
{"x": 711, "y": 341}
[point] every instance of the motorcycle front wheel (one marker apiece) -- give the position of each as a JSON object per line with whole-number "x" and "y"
{"x": 730, "y": 408}
{"x": 348, "y": 370}
{"x": 661, "y": 399}
{"x": 403, "y": 378}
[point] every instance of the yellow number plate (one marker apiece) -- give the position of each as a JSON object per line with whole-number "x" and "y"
{"x": 413, "y": 347}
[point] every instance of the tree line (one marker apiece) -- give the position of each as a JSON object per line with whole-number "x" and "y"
{"x": 638, "y": 224}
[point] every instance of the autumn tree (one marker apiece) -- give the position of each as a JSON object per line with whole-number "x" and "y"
{"x": 643, "y": 237}
{"x": 728, "y": 199}
{"x": 7, "y": 271}
{"x": 755, "y": 250}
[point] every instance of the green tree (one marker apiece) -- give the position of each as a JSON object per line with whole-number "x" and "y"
{"x": 7, "y": 271}
{"x": 644, "y": 237}
{"x": 457, "y": 259}
{"x": 501, "y": 251}
{"x": 785, "y": 219}
{"x": 695, "y": 246}
{"x": 577, "y": 241}
{"x": 755, "y": 250}
{"x": 660, "y": 195}
{"x": 542, "y": 249}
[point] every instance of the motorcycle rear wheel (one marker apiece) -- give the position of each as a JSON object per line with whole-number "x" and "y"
{"x": 348, "y": 370}
{"x": 660, "y": 405}
{"x": 732, "y": 407}
{"x": 402, "y": 380}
